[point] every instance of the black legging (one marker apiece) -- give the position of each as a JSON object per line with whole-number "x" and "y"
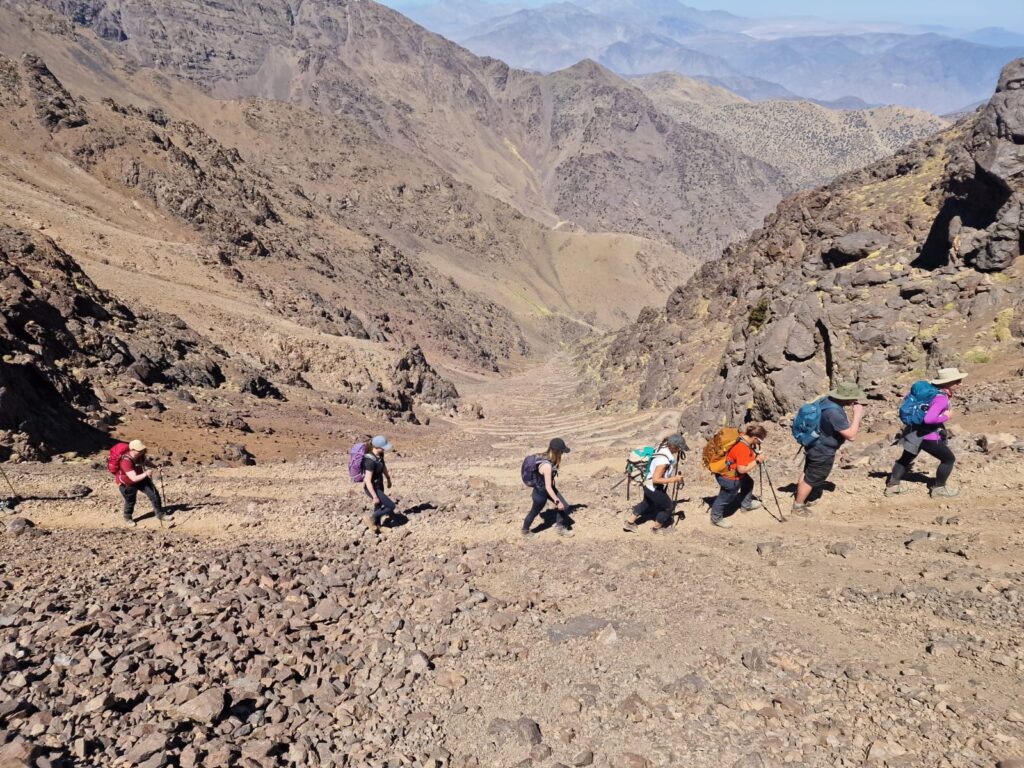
{"x": 937, "y": 448}
{"x": 660, "y": 504}
{"x": 540, "y": 500}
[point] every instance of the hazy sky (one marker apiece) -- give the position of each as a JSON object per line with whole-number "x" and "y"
{"x": 963, "y": 14}
{"x": 971, "y": 15}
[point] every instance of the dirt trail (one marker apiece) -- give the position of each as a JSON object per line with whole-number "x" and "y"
{"x": 801, "y": 643}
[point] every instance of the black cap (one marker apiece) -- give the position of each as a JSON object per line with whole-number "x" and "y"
{"x": 558, "y": 446}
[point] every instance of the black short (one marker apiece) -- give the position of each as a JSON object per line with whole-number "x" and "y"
{"x": 818, "y": 466}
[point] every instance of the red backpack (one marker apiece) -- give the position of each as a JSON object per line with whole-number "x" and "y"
{"x": 114, "y": 459}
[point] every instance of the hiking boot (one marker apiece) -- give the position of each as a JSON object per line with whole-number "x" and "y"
{"x": 722, "y": 523}
{"x": 371, "y": 523}
{"x": 663, "y": 530}
{"x": 941, "y": 491}
{"x": 564, "y": 531}
{"x": 128, "y": 520}
{"x": 800, "y": 510}
{"x": 755, "y": 504}
{"x": 893, "y": 490}
{"x": 526, "y": 533}
{"x": 629, "y": 527}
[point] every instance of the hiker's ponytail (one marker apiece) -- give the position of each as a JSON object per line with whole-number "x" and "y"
{"x": 555, "y": 457}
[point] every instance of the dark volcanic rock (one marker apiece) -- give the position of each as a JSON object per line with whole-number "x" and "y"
{"x": 415, "y": 378}
{"x": 981, "y": 222}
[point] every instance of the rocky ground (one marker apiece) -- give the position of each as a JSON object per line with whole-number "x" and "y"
{"x": 265, "y": 626}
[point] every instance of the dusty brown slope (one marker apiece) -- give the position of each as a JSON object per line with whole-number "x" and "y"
{"x": 371, "y": 187}
{"x": 533, "y": 141}
{"x": 809, "y": 143}
{"x": 266, "y": 625}
{"x": 880, "y": 277}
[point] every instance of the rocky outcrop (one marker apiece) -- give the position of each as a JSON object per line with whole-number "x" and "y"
{"x": 62, "y": 339}
{"x": 840, "y": 284}
{"x": 981, "y": 223}
{"x": 54, "y": 106}
{"x": 416, "y": 378}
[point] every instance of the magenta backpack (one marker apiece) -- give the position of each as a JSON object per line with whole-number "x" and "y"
{"x": 356, "y": 455}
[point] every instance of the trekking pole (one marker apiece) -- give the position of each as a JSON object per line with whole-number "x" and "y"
{"x": 765, "y": 473}
{"x": 10, "y": 484}
{"x": 618, "y": 483}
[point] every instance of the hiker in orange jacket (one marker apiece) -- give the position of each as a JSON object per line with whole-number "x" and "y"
{"x": 735, "y": 485}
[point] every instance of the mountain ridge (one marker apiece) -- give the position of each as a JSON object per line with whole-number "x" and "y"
{"x": 425, "y": 94}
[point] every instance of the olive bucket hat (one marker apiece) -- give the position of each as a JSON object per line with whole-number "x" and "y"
{"x": 849, "y": 391}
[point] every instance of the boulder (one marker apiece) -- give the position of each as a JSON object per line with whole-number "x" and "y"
{"x": 855, "y": 246}
{"x": 18, "y": 526}
{"x": 205, "y": 708}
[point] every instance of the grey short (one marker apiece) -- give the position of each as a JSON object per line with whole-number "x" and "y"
{"x": 818, "y": 466}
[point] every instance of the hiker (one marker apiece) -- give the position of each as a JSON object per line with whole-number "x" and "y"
{"x": 736, "y": 486}
{"x": 539, "y": 473}
{"x": 375, "y": 474}
{"x": 662, "y": 471}
{"x": 925, "y": 431}
{"x": 128, "y": 462}
{"x": 833, "y": 429}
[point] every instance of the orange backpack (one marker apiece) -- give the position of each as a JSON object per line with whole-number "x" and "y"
{"x": 718, "y": 448}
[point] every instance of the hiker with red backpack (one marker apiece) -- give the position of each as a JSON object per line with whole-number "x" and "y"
{"x": 662, "y": 471}
{"x": 924, "y": 412}
{"x": 127, "y": 463}
{"x": 539, "y": 472}
{"x": 366, "y": 465}
{"x": 735, "y": 483}
{"x": 821, "y": 427}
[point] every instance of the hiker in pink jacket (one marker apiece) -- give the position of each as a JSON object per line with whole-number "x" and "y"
{"x": 930, "y": 438}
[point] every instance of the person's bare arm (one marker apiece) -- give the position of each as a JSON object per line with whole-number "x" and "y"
{"x": 545, "y": 472}
{"x": 851, "y": 432}
{"x": 746, "y": 469}
{"x": 658, "y": 478}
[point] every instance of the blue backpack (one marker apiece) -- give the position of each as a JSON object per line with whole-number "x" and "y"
{"x": 807, "y": 422}
{"x": 915, "y": 405}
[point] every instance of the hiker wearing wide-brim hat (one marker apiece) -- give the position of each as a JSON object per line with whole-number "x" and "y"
{"x": 539, "y": 472}
{"x": 834, "y": 428}
{"x": 924, "y": 413}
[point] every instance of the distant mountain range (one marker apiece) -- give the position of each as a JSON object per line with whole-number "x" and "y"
{"x": 788, "y": 58}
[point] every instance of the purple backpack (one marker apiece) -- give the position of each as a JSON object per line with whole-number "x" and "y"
{"x": 531, "y": 477}
{"x": 356, "y": 455}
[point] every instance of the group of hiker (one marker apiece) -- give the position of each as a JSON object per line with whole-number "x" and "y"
{"x": 732, "y": 455}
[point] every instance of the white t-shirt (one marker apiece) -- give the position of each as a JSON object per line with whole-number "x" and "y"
{"x": 662, "y": 457}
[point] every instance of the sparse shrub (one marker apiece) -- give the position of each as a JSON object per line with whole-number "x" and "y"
{"x": 978, "y": 356}
{"x": 758, "y": 316}
{"x": 1003, "y": 329}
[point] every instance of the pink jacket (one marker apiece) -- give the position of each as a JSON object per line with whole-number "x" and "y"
{"x": 937, "y": 414}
